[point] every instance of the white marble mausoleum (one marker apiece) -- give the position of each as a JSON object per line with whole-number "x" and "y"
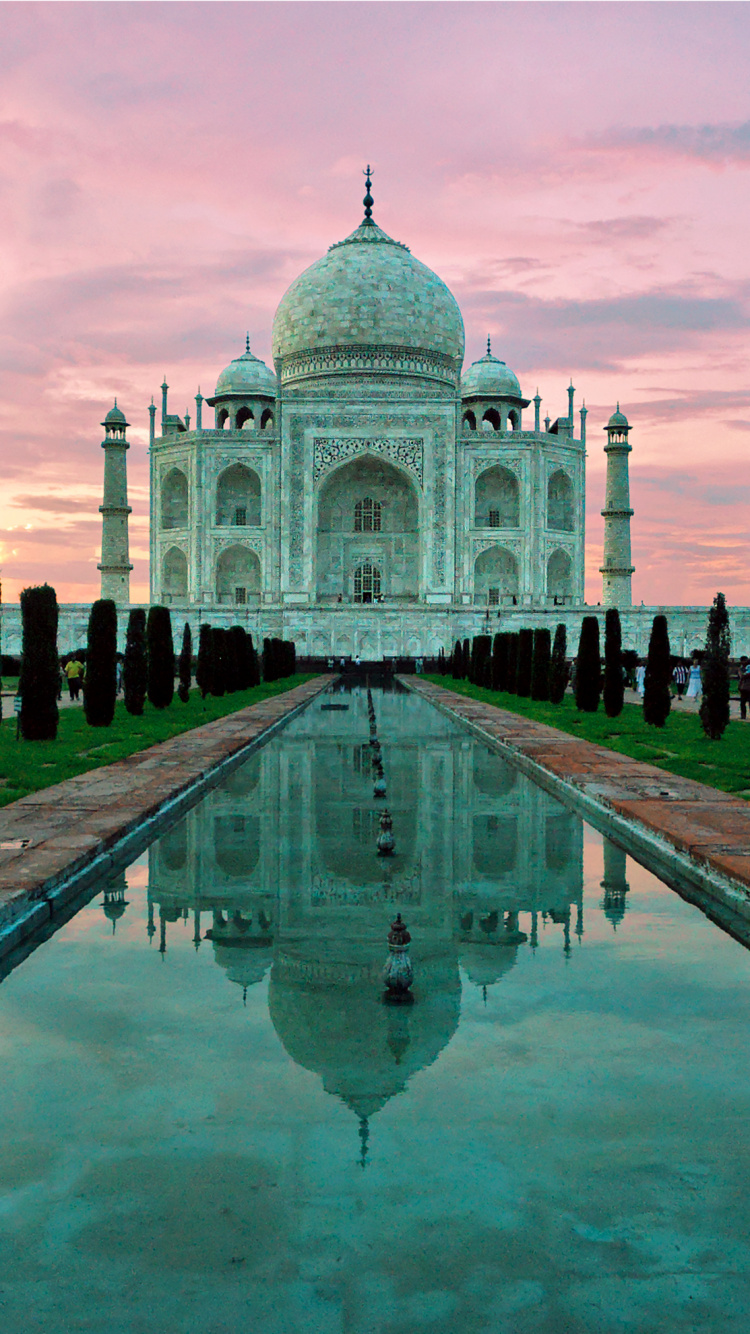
{"x": 370, "y": 494}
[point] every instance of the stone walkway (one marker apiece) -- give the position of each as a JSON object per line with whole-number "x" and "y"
{"x": 54, "y": 842}
{"x": 679, "y": 825}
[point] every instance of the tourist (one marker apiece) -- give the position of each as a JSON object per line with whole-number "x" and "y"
{"x": 680, "y": 676}
{"x": 640, "y": 677}
{"x": 695, "y": 685}
{"x": 744, "y": 686}
{"x": 74, "y": 674}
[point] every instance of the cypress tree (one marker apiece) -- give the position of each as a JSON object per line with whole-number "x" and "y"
{"x": 160, "y": 657}
{"x": 40, "y": 668}
{"x": 714, "y": 710}
{"x": 499, "y": 661}
{"x": 614, "y": 682}
{"x": 134, "y": 671}
{"x": 558, "y": 672}
{"x": 239, "y": 638}
{"x": 512, "y": 667}
{"x": 481, "y": 647}
{"x": 205, "y": 661}
{"x": 185, "y": 665}
{"x": 100, "y": 688}
{"x": 657, "y": 700}
{"x": 218, "y": 663}
{"x": 588, "y": 666}
{"x": 540, "y": 670}
{"x": 232, "y": 679}
{"x": 267, "y": 663}
{"x": 457, "y": 661}
{"x": 253, "y": 664}
{"x": 525, "y": 659}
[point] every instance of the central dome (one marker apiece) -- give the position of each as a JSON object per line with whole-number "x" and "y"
{"x": 369, "y": 305}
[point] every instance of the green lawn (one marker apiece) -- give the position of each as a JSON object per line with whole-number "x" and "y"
{"x": 27, "y": 766}
{"x": 680, "y": 746}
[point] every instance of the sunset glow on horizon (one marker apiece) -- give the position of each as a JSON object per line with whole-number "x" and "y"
{"x": 579, "y": 175}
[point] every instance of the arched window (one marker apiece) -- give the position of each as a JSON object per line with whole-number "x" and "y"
{"x": 497, "y": 501}
{"x": 223, "y": 420}
{"x": 560, "y": 577}
{"x": 367, "y": 516}
{"x": 366, "y": 583}
{"x": 560, "y": 502}
{"x": 238, "y": 497}
{"x": 174, "y": 575}
{"x": 496, "y": 577}
{"x": 266, "y": 421}
{"x": 237, "y": 576}
{"x": 174, "y": 500}
{"x": 245, "y": 420}
{"x": 491, "y": 420}
{"x": 470, "y": 421}
{"x": 511, "y": 423}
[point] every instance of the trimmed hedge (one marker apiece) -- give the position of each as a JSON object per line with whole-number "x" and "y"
{"x": 100, "y": 684}
{"x": 39, "y": 680}
{"x": 160, "y": 657}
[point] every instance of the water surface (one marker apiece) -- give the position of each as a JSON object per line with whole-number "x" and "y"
{"x": 212, "y": 1123}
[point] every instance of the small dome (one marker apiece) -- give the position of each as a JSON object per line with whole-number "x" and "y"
{"x": 248, "y": 377}
{"x": 489, "y": 378}
{"x": 115, "y": 417}
{"x": 370, "y": 292}
{"x": 618, "y": 421}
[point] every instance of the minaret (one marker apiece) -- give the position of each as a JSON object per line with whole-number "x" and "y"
{"x": 537, "y": 408}
{"x": 115, "y": 565}
{"x": 614, "y": 884}
{"x": 616, "y": 569}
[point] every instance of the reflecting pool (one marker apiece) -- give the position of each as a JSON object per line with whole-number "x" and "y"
{"x": 213, "y": 1123}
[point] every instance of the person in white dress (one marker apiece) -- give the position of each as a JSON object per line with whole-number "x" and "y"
{"x": 695, "y": 685}
{"x": 640, "y": 676}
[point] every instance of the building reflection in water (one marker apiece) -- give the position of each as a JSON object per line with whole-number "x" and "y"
{"x": 277, "y": 870}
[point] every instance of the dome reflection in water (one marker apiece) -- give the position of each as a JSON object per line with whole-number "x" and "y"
{"x": 278, "y": 870}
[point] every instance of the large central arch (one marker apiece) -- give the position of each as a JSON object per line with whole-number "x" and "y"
{"x": 368, "y": 515}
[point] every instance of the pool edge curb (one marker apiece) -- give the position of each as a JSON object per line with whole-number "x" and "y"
{"x": 693, "y": 879}
{"x": 38, "y": 906}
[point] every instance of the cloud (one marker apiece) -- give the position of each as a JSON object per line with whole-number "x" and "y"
{"x": 56, "y": 504}
{"x": 605, "y": 333}
{"x": 635, "y": 228}
{"x": 716, "y": 144}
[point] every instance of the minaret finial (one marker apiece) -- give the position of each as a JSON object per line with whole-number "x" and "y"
{"x": 489, "y": 347}
{"x": 247, "y": 341}
{"x": 368, "y": 200}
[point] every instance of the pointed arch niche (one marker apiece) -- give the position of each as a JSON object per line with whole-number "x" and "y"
{"x": 174, "y": 579}
{"x": 368, "y": 515}
{"x": 238, "y": 497}
{"x": 496, "y": 499}
{"x": 174, "y": 499}
{"x": 496, "y": 577}
{"x": 560, "y": 577}
{"x": 237, "y": 576}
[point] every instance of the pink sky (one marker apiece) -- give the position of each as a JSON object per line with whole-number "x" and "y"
{"x": 579, "y": 174}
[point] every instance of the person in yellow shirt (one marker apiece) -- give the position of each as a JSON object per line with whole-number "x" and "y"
{"x": 74, "y": 672}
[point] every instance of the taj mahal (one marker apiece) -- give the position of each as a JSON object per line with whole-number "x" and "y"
{"x": 370, "y": 495}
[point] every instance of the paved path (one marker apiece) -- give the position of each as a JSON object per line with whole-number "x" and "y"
{"x": 708, "y": 831}
{"x": 52, "y": 838}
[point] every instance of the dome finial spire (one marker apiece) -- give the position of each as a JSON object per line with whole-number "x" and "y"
{"x": 368, "y": 200}
{"x": 489, "y": 348}
{"x": 247, "y": 341}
